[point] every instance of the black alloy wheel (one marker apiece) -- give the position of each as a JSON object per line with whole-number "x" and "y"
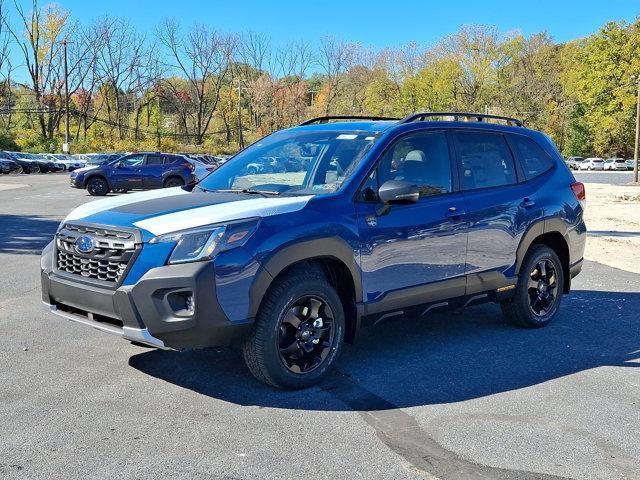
{"x": 97, "y": 186}
{"x": 543, "y": 288}
{"x": 539, "y": 290}
{"x": 306, "y": 334}
{"x": 298, "y": 331}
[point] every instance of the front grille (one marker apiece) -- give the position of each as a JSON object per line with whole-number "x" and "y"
{"x": 108, "y": 261}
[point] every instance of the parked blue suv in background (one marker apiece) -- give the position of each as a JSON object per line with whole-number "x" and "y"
{"x": 390, "y": 220}
{"x": 144, "y": 170}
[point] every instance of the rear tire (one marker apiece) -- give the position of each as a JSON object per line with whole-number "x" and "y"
{"x": 173, "y": 182}
{"x": 298, "y": 333}
{"x": 97, "y": 187}
{"x": 538, "y": 291}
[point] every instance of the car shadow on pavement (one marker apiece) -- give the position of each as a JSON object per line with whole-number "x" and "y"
{"x": 449, "y": 357}
{"x": 25, "y": 235}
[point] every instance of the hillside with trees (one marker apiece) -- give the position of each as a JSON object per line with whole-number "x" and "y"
{"x": 191, "y": 87}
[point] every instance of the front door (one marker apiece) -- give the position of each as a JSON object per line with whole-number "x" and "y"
{"x": 127, "y": 172}
{"x": 413, "y": 253}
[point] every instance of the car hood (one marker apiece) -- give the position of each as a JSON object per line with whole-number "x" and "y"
{"x": 172, "y": 209}
{"x": 86, "y": 169}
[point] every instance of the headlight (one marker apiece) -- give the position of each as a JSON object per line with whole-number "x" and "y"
{"x": 206, "y": 242}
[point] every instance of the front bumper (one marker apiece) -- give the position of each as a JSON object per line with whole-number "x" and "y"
{"x": 76, "y": 182}
{"x": 140, "y": 335}
{"x": 152, "y": 311}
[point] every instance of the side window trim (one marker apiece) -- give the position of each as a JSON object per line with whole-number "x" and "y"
{"x": 458, "y": 158}
{"x": 515, "y": 154}
{"x": 453, "y": 168}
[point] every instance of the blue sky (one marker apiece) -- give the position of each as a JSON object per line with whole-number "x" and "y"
{"x": 372, "y": 23}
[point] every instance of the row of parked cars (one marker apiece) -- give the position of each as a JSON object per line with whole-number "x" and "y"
{"x": 27, "y": 163}
{"x": 142, "y": 171}
{"x": 597, "y": 163}
{"x": 22, "y": 162}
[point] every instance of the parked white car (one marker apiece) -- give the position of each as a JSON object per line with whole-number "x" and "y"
{"x": 615, "y": 163}
{"x": 573, "y": 162}
{"x": 592, "y": 163}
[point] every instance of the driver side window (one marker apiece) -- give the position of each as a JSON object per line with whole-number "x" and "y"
{"x": 421, "y": 158}
{"x": 132, "y": 161}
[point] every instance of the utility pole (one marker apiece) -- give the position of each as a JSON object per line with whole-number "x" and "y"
{"x": 240, "y": 135}
{"x": 637, "y": 152}
{"x": 67, "y": 136}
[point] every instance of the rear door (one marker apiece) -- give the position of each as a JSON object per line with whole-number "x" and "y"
{"x": 499, "y": 208}
{"x": 152, "y": 171}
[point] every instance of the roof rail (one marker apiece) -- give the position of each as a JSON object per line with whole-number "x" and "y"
{"x": 343, "y": 117}
{"x": 478, "y": 117}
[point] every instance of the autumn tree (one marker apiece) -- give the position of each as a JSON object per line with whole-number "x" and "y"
{"x": 203, "y": 58}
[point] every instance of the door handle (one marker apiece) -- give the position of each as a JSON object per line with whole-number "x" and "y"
{"x": 454, "y": 212}
{"x": 527, "y": 203}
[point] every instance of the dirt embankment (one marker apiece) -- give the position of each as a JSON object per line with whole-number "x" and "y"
{"x": 613, "y": 223}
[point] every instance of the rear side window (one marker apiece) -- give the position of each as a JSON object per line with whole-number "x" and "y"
{"x": 154, "y": 160}
{"x": 533, "y": 158}
{"x": 485, "y": 159}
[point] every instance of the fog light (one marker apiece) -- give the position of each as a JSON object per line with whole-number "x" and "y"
{"x": 181, "y": 303}
{"x": 190, "y": 304}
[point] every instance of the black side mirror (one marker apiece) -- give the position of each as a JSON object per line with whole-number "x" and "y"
{"x": 398, "y": 192}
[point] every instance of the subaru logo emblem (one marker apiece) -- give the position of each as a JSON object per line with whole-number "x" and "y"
{"x": 84, "y": 244}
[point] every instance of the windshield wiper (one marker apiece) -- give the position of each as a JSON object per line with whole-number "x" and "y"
{"x": 264, "y": 193}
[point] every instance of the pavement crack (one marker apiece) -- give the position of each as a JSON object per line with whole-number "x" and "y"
{"x": 401, "y": 433}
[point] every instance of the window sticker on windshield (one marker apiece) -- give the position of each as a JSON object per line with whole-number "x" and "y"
{"x": 325, "y": 186}
{"x": 346, "y": 136}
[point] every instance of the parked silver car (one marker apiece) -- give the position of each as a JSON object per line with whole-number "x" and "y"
{"x": 572, "y": 162}
{"x": 615, "y": 163}
{"x": 592, "y": 163}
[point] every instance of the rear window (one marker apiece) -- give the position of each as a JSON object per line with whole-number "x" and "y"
{"x": 485, "y": 159}
{"x": 533, "y": 158}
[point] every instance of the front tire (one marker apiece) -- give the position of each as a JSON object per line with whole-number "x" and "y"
{"x": 538, "y": 291}
{"x": 97, "y": 187}
{"x": 298, "y": 333}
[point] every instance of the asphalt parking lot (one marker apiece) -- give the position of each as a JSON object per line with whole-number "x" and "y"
{"x": 458, "y": 395}
{"x": 611, "y": 177}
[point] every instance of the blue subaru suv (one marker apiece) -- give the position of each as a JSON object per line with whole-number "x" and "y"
{"x": 136, "y": 171}
{"x": 391, "y": 219}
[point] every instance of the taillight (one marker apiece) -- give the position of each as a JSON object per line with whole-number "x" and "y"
{"x": 190, "y": 166}
{"x": 579, "y": 192}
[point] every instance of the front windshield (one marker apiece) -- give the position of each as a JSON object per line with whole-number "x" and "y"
{"x": 293, "y": 163}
